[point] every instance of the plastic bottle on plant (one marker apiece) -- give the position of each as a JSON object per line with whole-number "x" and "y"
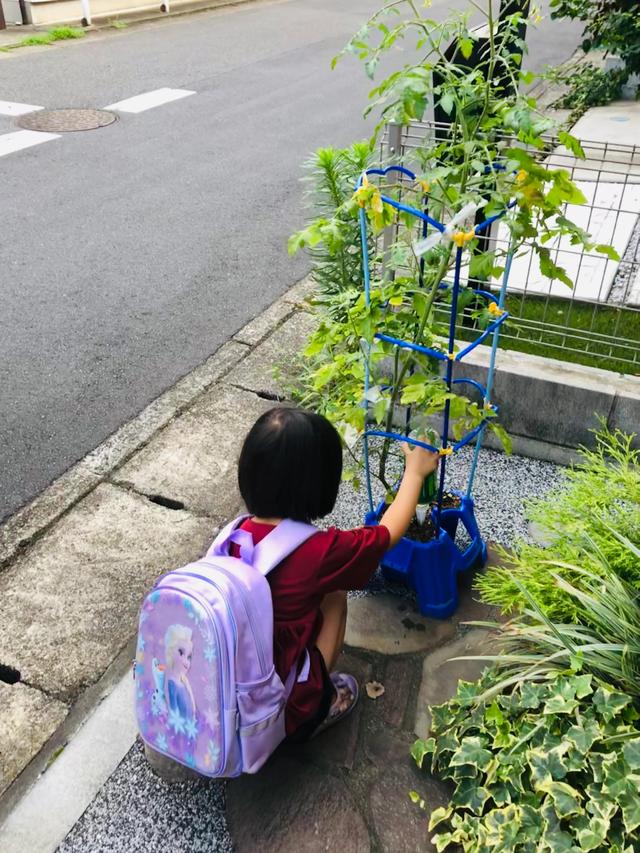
{"x": 427, "y": 495}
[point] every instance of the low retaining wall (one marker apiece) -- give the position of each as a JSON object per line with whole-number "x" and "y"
{"x": 552, "y": 402}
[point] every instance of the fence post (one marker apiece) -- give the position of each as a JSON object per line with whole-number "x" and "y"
{"x": 394, "y": 153}
{"x": 86, "y": 11}
{"x": 3, "y": 24}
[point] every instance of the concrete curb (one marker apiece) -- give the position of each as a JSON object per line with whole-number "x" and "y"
{"x": 551, "y": 407}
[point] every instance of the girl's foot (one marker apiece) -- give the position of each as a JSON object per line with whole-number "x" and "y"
{"x": 347, "y": 693}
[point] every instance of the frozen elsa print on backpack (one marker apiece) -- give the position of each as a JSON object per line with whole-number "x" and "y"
{"x": 179, "y": 654}
{"x": 177, "y": 692}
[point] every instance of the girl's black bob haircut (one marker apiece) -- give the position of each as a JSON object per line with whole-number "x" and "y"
{"x": 290, "y": 465}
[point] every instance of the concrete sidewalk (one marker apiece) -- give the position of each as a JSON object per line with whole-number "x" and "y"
{"x": 75, "y": 563}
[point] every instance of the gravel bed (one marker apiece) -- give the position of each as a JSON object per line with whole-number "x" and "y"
{"x": 136, "y": 812}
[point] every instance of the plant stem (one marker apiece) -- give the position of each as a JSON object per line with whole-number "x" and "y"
{"x": 397, "y": 383}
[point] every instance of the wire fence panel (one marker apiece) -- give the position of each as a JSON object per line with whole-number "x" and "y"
{"x": 597, "y": 322}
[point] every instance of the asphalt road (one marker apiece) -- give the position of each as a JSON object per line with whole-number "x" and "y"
{"x": 129, "y": 254}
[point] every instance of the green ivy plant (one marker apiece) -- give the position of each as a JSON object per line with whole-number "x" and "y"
{"x": 588, "y": 86}
{"x": 484, "y": 162}
{"x": 612, "y": 26}
{"x": 551, "y": 766}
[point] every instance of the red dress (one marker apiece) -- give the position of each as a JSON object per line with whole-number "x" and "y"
{"x": 330, "y": 560}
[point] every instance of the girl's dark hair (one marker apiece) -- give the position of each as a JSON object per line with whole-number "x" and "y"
{"x": 290, "y": 465}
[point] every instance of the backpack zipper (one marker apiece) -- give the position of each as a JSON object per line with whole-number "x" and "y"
{"x": 250, "y": 613}
{"x": 212, "y": 583}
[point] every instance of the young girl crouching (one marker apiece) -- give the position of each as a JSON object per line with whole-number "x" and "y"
{"x": 290, "y": 467}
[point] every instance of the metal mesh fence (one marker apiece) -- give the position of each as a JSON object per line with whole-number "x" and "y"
{"x": 597, "y": 322}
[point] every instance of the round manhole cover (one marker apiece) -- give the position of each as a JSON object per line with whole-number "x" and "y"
{"x": 63, "y": 121}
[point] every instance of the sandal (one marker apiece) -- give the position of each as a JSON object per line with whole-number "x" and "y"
{"x": 347, "y": 693}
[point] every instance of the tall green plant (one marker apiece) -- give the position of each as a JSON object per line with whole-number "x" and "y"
{"x": 484, "y": 162}
{"x": 336, "y": 260}
{"x": 612, "y": 26}
{"x": 601, "y": 495}
{"x": 605, "y": 640}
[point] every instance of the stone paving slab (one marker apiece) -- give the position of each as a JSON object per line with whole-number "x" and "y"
{"x": 194, "y": 459}
{"x": 264, "y": 324}
{"x": 290, "y": 807}
{"x": 391, "y": 625}
{"x": 69, "y": 605}
{"x": 29, "y": 717}
{"x": 45, "y": 509}
{"x": 301, "y": 293}
{"x": 280, "y": 350}
{"x": 440, "y": 674}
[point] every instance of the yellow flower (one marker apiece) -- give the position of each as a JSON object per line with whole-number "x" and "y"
{"x": 494, "y": 309}
{"x": 376, "y": 202}
{"x": 462, "y": 237}
{"x": 521, "y": 176}
{"x": 425, "y": 186}
{"x": 361, "y": 196}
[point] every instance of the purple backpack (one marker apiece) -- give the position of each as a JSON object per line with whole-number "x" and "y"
{"x": 207, "y": 693}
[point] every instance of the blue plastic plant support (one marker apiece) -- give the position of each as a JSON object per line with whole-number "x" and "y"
{"x": 431, "y": 568}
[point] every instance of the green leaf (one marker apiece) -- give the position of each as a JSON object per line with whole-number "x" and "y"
{"x": 583, "y": 736}
{"x": 380, "y": 410}
{"x": 551, "y": 270}
{"x": 609, "y": 251}
{"x": 609, "y": 703}
{"x": 438, "y": 815}
{"x": 531, "y": 695}
{"x": 593, "y": 836}
{"x": 493, "y": 714}
{"x": 503, "y": 436}
{"x": 566, "y": 800}
{"x": 546, "y": 765}
{"x": 466, "y": 47}
{"x": 571, "y": 143}
{"x": 631, "y": 752}
{"x": 470, "y": 795}
{"x": 472, "y": 751}
{"x": 421, "y": 748}
{"x": 630, "y": 804}
{"x": 446, "y": 102}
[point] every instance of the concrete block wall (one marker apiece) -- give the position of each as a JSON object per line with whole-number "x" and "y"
{"x": 545, "y": 400}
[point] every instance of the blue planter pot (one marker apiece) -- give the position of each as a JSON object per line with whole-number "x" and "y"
{"x": 431, "y": 568}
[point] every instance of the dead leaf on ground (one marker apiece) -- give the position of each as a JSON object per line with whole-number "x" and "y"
{"x": 374, "y": 689}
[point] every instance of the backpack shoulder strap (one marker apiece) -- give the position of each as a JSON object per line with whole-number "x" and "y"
{"x": 282, "y": 541}
{"x": 220, "y": 545}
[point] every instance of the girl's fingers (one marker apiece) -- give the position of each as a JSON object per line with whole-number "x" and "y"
{"x": 405, "y": 448}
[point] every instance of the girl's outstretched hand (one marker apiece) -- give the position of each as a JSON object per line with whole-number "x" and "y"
{"x": 419, "y": 461}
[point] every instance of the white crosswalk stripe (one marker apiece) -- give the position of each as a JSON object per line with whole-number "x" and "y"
{"x": 149, "y": 100}
{"x": 19, "y": 139}
{"x": 10, "y": 108}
